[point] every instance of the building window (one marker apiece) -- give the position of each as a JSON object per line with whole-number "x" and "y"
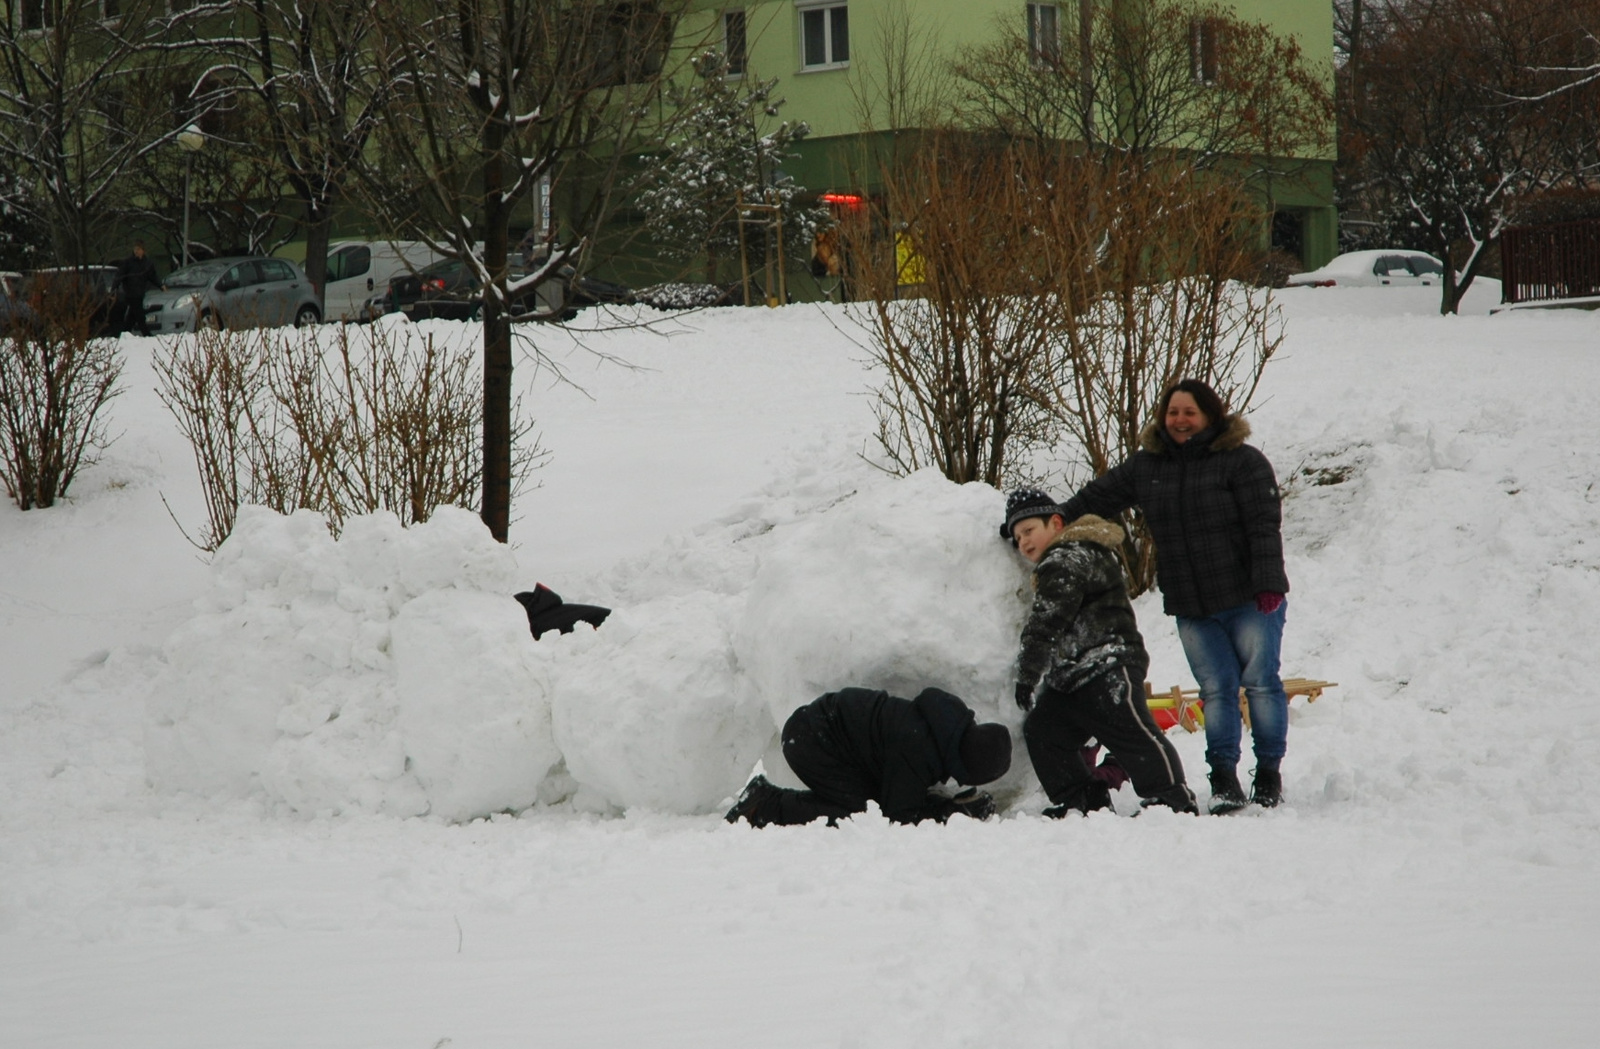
{"x": 1044, "y": 34}
{"x": 38, "y": 14}
{"x": 1205, "y": 45}
{"x": 733, "y": 40}
{"x": 632, "y": 41}
{"x": 825, "y": 35}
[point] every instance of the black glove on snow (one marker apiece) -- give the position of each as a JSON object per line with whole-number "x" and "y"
{"x": 1024, "y": 696}
{"x": 975, "y": 803}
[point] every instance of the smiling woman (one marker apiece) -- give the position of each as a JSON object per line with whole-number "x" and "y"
{"x": 1214, "y": 511}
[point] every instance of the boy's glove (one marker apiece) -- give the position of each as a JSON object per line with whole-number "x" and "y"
{"x": 975, "y": 803}
{"x": 1024, "y": 696}
{"x": 1268, "y": 602}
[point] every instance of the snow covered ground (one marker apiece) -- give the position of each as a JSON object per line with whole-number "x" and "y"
{"x": 1430, "y": 882}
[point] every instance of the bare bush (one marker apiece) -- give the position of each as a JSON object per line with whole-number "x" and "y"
{"x": 1046, "y": 322}
{"x": 960, "y": 352}
{"x": 1164, "y": 299}
{"x": 380, "y": 421}
{"x": 54, "y": 382}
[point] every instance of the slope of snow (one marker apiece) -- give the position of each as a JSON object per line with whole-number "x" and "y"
{"x": 1428, "y": 883}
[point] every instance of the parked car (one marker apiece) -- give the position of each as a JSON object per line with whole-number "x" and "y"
{"x": 1383, "y": 267}
{"x": 358, "y": 270}
{"x": 238, "y": 292}
{"x": 449, "y": 290}
{"x": 63, "y": 289}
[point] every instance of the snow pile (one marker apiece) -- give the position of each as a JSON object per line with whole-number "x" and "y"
{"x": 474, "y": 710}
{"x": 359, "y": 673}
{"x": 390, "y": 670}
{"x": 905, "y": 586}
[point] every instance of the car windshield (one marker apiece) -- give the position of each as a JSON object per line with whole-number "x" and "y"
{"x": 1422, "y": 265}
{"x": 443, "y": 268}
{"x": 197, "y": 276}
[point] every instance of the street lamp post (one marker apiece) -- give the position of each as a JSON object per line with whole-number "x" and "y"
{"x": 191, "y": 139}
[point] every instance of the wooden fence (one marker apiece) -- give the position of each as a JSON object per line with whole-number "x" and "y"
{"x": 1557, "y": 260}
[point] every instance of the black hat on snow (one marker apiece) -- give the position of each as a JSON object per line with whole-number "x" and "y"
{"x": 986, "y": 751}
{"x": 1025, "y": 503}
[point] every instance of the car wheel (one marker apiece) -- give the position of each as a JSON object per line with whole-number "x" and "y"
{"x": 308, "y": 315}
{"x": 208, "y": 321}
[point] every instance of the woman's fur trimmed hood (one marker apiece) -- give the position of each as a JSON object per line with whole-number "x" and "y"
{"x": 1234, "y": 432}
{"x": 1090, "y": 528}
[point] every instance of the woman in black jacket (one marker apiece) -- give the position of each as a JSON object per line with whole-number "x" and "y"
{"x": 1213, "y": 508}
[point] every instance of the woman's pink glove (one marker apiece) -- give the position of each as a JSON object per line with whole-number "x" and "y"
{"x": 1268, "y": 602}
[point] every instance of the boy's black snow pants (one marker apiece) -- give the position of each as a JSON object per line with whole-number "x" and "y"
{"x": 1109, "y": 707}
{"x": 839, "y": 787}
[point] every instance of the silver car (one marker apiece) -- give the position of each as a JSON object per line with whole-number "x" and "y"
{"x": 241, "y": 292}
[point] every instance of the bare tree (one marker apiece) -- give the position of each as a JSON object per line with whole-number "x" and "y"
{"x": 1459, "y": 115}
{"x": 1149, "y": 79}
{"x": 318, "y": 100}
{"x": 492, "y": 98}
{"x": 80, "y": 103}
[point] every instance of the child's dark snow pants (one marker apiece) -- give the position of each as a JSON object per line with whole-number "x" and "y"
{"x": 1109, "y": 707}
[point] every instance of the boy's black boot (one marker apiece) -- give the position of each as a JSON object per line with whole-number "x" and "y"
{"x": 1267, "y": 790}
{"x": 1085, "y": 799}
{"x": 1226, "y": 793}
{"x": 1178, "y": 799}
{"x": 751, "y": 801}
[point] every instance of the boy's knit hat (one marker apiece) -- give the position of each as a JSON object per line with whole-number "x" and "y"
{"x": 986, "y": 751}
{"x": 1025, "y": 503}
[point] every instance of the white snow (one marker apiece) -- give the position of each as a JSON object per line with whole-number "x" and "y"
{"x": 240, "y": 796}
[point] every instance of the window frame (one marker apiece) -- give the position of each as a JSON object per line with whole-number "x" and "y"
{"x": 738, "y": 61}
{"x": 826, "y": 9}
{"x": 1205, "y": 49}
{"x": 1044, "y": 53}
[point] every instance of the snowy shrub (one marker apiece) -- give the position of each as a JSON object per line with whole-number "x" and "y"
{"x": 54, "y": 383}
{"x": 719, "y": 157}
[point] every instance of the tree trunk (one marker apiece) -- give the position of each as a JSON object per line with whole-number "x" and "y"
{"x": 319, "y": 228}
{"x": 496, "y": 511}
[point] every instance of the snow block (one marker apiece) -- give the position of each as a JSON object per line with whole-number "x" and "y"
{"x": 905, "y": 585}
{"x": 283, "y": 684}
{"x": 474, "y": 708}
{"x": 650, "y": 710}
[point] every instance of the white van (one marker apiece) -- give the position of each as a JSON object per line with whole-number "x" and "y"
{"x": 360, "y": 269}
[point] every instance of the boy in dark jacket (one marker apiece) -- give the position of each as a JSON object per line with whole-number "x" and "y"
{"x": 1081, "y": 669}
{"x": 857, "y": 745}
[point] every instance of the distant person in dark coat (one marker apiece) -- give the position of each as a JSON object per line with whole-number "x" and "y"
{"x": 1082, "y": 664}
{"x": 136, "y": 275}
{"x": 858, "y": 745}
{"x": 1215, "y": 513}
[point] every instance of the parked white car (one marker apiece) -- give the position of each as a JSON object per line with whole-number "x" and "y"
{"x": 1383, "y": 267}
{"x": 359, "y": 270}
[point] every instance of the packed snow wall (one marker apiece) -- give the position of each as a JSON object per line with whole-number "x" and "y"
{"x": 391, "y": 671}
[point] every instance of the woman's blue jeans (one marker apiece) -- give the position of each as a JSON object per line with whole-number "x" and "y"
{"x": 1238, "y": 648}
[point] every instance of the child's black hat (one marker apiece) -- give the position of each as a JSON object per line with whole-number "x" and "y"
{"x": 1025, "y": 503}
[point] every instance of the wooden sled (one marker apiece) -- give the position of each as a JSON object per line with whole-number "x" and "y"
{"x": 1184, "y": 707}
